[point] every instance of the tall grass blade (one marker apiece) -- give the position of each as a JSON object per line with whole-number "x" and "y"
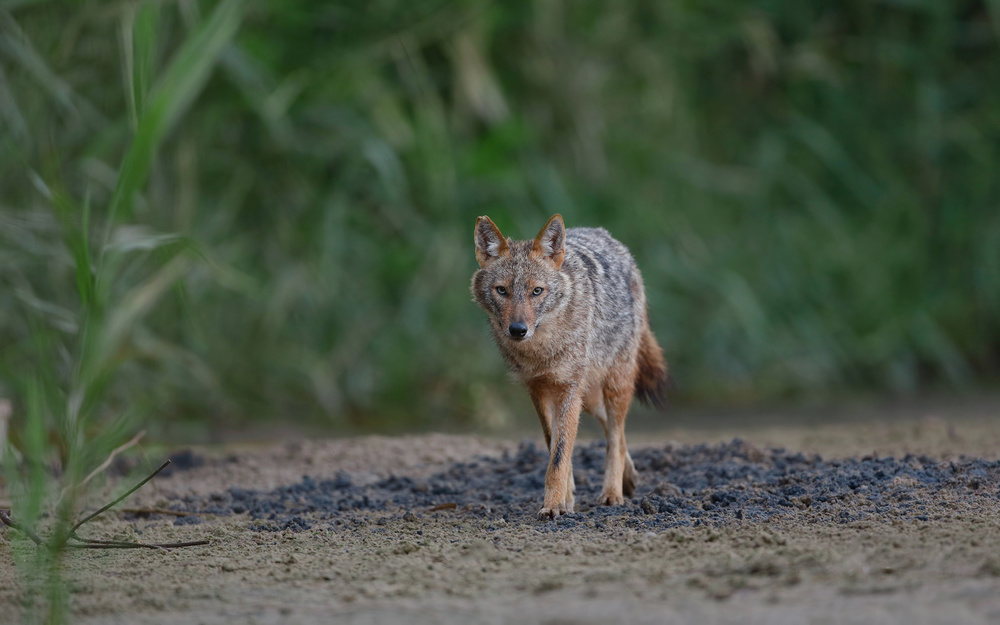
{"x": 171, "y": 96}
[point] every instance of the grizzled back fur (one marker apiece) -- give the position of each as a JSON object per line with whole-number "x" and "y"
{"x": 567, "y": 303}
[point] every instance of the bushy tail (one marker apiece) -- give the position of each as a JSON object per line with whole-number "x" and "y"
{"x": 653, "y": 378}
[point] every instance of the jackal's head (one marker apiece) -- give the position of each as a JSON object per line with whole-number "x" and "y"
{"x": 519, "y": 283}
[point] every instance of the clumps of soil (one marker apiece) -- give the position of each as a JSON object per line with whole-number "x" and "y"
{"x": 680, "y": 486}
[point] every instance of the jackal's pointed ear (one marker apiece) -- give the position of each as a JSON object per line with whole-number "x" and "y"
{"x": 490, "y": 242}
{"x": 551, "y": 241}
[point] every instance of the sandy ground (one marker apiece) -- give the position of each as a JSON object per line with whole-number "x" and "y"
{"x": 453, "y": 566}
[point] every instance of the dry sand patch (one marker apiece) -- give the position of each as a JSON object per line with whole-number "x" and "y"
{"x": 920, "y": 541}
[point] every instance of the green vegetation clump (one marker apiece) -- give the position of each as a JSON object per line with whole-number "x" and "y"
{"x": 220, "y": 212}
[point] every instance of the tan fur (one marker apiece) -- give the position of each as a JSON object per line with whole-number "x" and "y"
{"x": 568, "y": 313}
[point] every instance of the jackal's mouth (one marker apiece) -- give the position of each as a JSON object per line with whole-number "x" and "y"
{"x": 516, "y": 337}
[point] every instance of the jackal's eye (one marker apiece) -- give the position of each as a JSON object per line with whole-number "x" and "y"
{"x": 537, "y": 290}
{"x": 501, "y": 290}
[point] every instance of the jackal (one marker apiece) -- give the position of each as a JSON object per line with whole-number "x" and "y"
{"x": 568, "y": 312}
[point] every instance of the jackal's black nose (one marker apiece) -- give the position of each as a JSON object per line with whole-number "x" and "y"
{"x": 518, "y": 329}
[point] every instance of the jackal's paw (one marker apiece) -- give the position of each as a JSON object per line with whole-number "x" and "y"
{"x": 610, "y": 499}
{"x": 547, "y": 513}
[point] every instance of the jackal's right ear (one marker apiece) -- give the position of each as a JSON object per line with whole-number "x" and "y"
{"x": 490, "y": 243}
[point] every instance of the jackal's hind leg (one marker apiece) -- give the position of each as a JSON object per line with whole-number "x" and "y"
{"x": 619, "y": 471}
{"x": 570, "y": 501}
{"x": 629, "y": 476}
{"x": 544, "y": 420}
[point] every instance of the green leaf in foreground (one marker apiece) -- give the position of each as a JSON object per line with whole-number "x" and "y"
{"x": 139, "y": 39}
{"x": 180, "y": 84}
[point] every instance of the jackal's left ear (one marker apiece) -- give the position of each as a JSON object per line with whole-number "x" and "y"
{"x": 490, "y": 242}
{"x": 551, "y": 241}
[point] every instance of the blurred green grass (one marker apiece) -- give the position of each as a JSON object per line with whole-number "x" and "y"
{"x": 809, "y": 189}
{"x": 83, "y": 284}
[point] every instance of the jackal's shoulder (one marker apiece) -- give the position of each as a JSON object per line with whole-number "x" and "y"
{"x": 594, "y": 240}
{"x": 596, "y": 252}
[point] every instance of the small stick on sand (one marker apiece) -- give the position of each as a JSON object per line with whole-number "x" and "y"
{"x": 6, "y": 520}
{"x": 111, "y": 457}
{"x": 148, "y": 511}
{"x": 131, "y": 490}
{"x": 92, "y": 543}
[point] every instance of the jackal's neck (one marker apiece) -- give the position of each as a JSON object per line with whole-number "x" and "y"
{"x": 545, "y": 355}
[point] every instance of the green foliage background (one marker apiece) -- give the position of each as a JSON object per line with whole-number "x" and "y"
{"x": 276, "y": 223}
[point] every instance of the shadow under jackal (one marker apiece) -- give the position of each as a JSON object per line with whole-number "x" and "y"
{"x": 568, "y": 312}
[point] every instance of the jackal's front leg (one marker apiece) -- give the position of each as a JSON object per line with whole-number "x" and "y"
{"x": 558, "y": 408}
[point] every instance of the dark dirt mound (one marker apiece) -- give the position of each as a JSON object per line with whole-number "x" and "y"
{"x": 686, "y": 485}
